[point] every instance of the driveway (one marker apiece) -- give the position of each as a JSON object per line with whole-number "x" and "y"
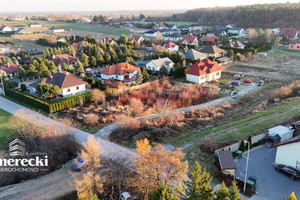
{"x": 270, "y": 183}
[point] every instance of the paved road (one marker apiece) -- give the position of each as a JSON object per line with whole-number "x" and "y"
{"x": 44, "y": 187}
{"x": 270, "y": 183}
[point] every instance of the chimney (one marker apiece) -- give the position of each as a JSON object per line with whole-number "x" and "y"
{"x": 8, "y": 65}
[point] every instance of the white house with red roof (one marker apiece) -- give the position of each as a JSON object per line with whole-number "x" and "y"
{"x": 123, "y": 72}
{"x": 63, "y": 58}
{"x": 205, "y": 71}
{"x": 171, "y": 46}
{"x": 190, "y": 40}
{"x": 290, "y": 33}
{"x": 295, "y": 45}
{"x": 136, "y": 37}
{"x": 159, "y": 25}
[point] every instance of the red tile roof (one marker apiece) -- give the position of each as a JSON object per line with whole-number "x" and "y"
{"x": 160, "y": 24}
{"x": 109, "y": 40}
{"x": 210, "y": 38}
{"x": 77, "y": 45}
{"x": 119, "y": 69}
{"x": 116, "y": 84}
{"x": 3, "y": 57}
{"x": 64, "y": 58}
{"x": 170, "y": 45}
{"x": 189, "y": 39}
{"x": 205, "y": 67}
{"x": 289, "y": 32}
{"x": 135, "y": 37}
{"x": 10, "y": 68}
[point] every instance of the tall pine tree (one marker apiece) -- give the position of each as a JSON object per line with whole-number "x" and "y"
{"x": 163, "y": 192}
{"x": 234, "y": 192}
{"x": 222, "y": 193}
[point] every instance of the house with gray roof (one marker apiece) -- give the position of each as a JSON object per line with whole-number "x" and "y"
{"x": 156, "y": 64}
{"x": 195, "y": 55}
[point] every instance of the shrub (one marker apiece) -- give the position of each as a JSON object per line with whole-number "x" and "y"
{"x": 136, "y": 107}
{"x": 91, "y": 119}
{"x": 23, "y": 87}
{"x": 98, "y": 96}
{"x": 208, "y": 146}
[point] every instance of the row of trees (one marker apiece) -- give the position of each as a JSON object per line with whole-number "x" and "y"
{"x": 266, "y": 15}
{"x": 155, "y": 174}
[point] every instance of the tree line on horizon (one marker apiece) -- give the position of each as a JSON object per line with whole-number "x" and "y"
{"x": 283, "y": 15}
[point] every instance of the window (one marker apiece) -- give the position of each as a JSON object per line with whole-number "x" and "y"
{"x": 218, "y": 73}
{"x": 68, "y": 90}
{"x": 77, "y": 88}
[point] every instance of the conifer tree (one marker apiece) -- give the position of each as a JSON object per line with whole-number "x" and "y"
{"x": 145, "y": 75}
{"x": 198, "y": 184}
{"x": 234, "y": 192}
{"x": 222, "y": 193}
{"x": 163, "y": 192}
{"x": 292, "y": 196}
{"x": 79, "y": 69}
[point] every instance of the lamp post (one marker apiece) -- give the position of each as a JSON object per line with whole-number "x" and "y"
{"x": 245, "y": 183}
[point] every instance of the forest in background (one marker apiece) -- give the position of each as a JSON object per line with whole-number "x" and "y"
{"x": 255, "y": 16}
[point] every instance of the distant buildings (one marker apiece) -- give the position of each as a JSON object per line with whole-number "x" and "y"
{"x": 34, "y": 25}
{"x": 151, "y": 33}
{"x": 195, "y": 55}
{"x": 172, "y": 47}
{"x": 211, "y": 38}
{"x": 213, "y": 51}
{"x": 190, "y": 40}
{"x": 60, "y": 59}
{"x": 234, "y": 44}
{"x": 289, "y": 33}
{"x": 54, "y": 29}
{"x": 238, "y": 31}
{"x": 135, "y": 37}
{"x": 10, "y": 69}
{"x": 5, "y": 29}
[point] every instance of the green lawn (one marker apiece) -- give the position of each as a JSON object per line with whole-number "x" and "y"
{"x": 284, "y": 51}
{"x": 73, "y": 26}
{"x": 6, "y": 132}
{"x": 29, "y": 44}
{"x": 249, "y": 128}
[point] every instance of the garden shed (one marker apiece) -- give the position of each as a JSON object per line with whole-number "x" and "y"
{"x": 226, "y": 162}
{"x": 279, "y": 134}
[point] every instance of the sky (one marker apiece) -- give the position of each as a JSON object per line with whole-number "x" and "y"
{"x": 113, "y": 5}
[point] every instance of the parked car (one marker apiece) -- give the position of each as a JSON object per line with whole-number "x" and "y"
{"x": 290, "y": 171}
{"x": 247, "y": 81}
{"x": 260, "y": 83}
{"x": 237, "y": 76}
{"x": 79, "y": 165}
{"x": 235, "y": 83}
{"x": 232, "y": 92}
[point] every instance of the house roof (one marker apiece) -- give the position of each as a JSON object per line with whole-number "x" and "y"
{"x": 135, "y": 37}
{"x": 183, "y": 26}
{"x": 226, "y": 160}
{"x": 160, "y": 24}
{"x": 212, "y": 50}
{"x": 151, "y": 31}
{"x": 63, "y": 58}
{"x": 62, "y": 80}
{"x": 189, "y": 39}
{"x": 193, "y": 54}
{"x": 234, "y": 44}
{"x": 109, "y": 40}
{"x": 210, "y": 37}
{"x": 217, "y": 32}
{"x": 119, "y": 69}
{"x": 22, "y": 30}
{"x": 290, "y": 141}
{"x": 295, "y": 41}
{"x": 77, "y": 45}
{"x": 174, "y": 35}
{"x": 169, "y": 45}
{"x": 10, "y": 68}
{"x": 289, "y": 32}
{"x": 205, "y": 67}
{"x": 162, "y": 61}
{"x": 234, "y": 29}
{"x": 55, "y": 28}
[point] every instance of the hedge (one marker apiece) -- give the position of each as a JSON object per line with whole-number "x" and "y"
{"x": 45, "y": 106}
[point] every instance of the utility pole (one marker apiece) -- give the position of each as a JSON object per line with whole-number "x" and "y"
{"x": 245, "y": 183}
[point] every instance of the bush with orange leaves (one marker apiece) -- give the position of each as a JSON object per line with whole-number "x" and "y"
{"x": 285, "y": 92}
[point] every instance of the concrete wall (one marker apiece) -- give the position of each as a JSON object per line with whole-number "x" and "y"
{"x": 73, "y": 90}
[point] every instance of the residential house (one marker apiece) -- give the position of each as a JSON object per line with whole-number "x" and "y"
{"x": 238, "y": 31}
{"x": 167, "y": 31}
{"x": 54, "y": 29}
{"x": 68, "y": 83}
{"x": 294, "y": 45}
{"x": 213, "y": 51}
{"x": 226, "y": 163}
{"x": 62, "y": 40}
{"x": 175, "y": 37}
{"x": 10, "y": 69}
{"x": 172, "y": 47}
{"x": 210, "y": 38}
{"x": 78, "y": 46}
{"x": 60, "y": 59}
{"x": 234, "y": 44}
{"x": 172, "y": 26}
{"x": 124, "y": 72}
{"x": 23, "y": 31}
{"x": 194, "y": 27}
{"x": 195, "y": 55}
{"x": 287, "y": 153}
{"x": 159, "y": 25}
{"x": 231, "y": 26}
{"x": 151, "y": 33}
{"x": 190, "y": 40}
{"x": 218, "y": 32}
{"x": 136, "y": 37}
{"x": 202, "y": 72}
{"x": 109, "y": 40}
{"x": 290, "y": 33}
{"x": 156, "y": 64}
{"x": 34, "y": 25}
{"x": 4, "y": 49}
{"x": 5, "y": 29}
{"x": 184, "y": 28}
